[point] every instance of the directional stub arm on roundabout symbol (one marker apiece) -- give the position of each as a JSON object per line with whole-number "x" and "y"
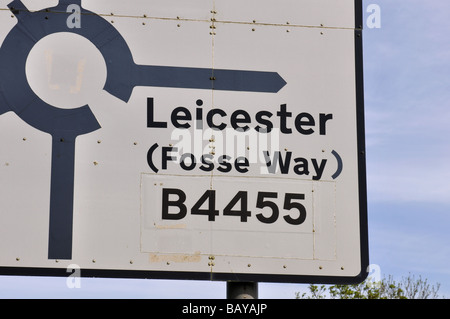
{"x": 65, "y": 125}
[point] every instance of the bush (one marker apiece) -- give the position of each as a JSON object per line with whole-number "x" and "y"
{"x": 408, "y": 288}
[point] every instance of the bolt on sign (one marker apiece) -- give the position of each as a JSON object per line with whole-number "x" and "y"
{"x": 214, "y": 140}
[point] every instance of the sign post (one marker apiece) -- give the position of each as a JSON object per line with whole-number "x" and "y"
{"x": 242, "y": 290}
{"x": 184, "y": 141}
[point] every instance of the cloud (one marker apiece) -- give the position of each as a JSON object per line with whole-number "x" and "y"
{"x": 407, "y": 97}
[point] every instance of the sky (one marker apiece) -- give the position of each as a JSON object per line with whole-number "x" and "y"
{"x": 407, "y": 108}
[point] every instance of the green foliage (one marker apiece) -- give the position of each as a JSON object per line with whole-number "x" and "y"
{"x": 387, "y": 288}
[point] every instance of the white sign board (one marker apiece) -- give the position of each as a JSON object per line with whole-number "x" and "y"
{"x": 218, "y": 140}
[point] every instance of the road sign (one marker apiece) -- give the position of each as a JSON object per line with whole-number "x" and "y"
{"x": 212, "y": 140}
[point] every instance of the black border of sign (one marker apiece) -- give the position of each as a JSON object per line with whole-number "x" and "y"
{"x": 142, "y": 274}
